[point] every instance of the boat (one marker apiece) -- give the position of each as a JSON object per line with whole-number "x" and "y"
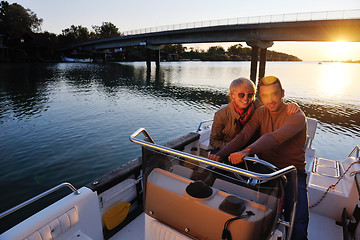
{"x": 174, "y": 191}
{"x": 77, "y": 60}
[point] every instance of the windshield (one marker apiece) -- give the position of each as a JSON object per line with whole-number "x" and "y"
{"x": 205, "y": 202}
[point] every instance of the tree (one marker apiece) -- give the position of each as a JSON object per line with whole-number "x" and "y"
{"x": 174, "y": 48}
{"x": 74, "y": 34}
{"x": 106, "y": 29}
{"x": 235, "y": 50}
{"x": 217, "y": 50}
{"x": 15, "y": 18}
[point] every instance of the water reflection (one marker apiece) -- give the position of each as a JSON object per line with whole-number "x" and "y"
{"x": 23, "y": 91}
{"x": 27, "y": 89}
{"x": 339, "y": 117}
{"x": 334, "y": 81}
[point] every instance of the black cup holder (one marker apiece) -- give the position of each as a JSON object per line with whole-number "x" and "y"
{"x": 199, "y": 189}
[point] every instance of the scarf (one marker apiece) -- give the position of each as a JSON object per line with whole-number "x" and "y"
{"x": 245, "y": 115}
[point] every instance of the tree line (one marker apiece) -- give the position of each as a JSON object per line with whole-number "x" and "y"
{"x": 15, "y": 20}
{"x": 217, "y": 53}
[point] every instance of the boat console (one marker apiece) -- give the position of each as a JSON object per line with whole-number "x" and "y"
{"x": 169, "y": 200}
{"x": 188, "y": 196}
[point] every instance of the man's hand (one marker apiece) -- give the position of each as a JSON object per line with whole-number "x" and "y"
{"x": 238, "y": 157}
{"x": 215, "y": 157}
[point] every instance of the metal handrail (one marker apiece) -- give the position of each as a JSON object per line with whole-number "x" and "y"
{"x": 355, "y": 150}
{"x": 21, "y": 205}
{"x": 206, "y": 121}
{"x": 246, "y": 173}
{"x": 243, "y": 172}
{"x": 288, "y": 17}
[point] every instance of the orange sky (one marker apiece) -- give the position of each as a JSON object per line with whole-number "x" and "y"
{"x": 307, "y": 51}
{"x": 318, "y": 51}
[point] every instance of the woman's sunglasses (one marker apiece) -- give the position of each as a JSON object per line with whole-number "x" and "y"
{"x": 242, "y": 95}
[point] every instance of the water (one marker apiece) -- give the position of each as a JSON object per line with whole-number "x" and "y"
{"x": 71, "y": 121}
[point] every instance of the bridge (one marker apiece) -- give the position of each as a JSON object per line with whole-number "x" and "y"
{"x": 258, "y": 32}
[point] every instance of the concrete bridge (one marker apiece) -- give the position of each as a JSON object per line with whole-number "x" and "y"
{"x": 258, "y": 32}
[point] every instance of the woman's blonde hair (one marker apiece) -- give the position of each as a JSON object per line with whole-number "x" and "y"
{"x": 242, "y": 81}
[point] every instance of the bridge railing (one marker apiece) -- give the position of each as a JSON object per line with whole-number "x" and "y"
{"x": 289, "y": 17}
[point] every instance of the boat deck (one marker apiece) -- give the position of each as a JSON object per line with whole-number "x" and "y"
{"x": 134, "y": 230}
{"x": 318, "y": 226}
{"x": 321, "y": 227}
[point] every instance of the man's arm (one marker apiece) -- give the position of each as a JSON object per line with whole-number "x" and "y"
{"x": 241, "y": 139}
{"x": 292, "y": 125}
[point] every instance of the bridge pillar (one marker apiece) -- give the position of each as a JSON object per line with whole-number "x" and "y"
{"x": 104, "y": 58}
{"x": 156, "y": 48}
{"x": 255, "y": 45}
{"x": 253, "y": 66}
{"x": 262, "y": 63}
{"x": 148, "y": 59}
{"x": 157, "y": 59}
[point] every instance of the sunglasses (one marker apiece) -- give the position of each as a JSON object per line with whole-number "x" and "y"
{"x": 242, "y": 95}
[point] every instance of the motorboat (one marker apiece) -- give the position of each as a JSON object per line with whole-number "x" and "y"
{"x": 77, "y": 60}
{"x": 174, "y": 191}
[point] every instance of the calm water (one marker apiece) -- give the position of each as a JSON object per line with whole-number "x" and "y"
{"x": 71, "y": 122}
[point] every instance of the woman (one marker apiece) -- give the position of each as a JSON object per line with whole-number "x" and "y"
{"x": 230, "y": 119}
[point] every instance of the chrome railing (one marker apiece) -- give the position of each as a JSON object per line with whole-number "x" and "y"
{"x": 289, "y": 17}
{"x": 203, "y": 123}
{"x": 243, "y": 172}
{"x": 356, "y": 150}
{"x": 212, "y": 163}
{"x": 21, "y": 205}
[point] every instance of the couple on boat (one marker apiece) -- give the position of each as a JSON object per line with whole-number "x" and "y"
{"x": 276, "y": 132}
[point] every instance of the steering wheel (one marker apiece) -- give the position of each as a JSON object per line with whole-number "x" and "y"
{"x": 256, "y": 165}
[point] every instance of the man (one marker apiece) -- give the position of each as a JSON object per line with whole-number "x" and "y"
{"x": 281, "y": 142}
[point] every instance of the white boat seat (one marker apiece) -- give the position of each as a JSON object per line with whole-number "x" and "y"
{"x": 72, "y": 217}
{"x": 327, "y": 172}
{"x": 311, "y": 129}
{"x": 310, "y": 152}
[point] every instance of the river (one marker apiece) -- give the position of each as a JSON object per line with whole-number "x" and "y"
{"x": 70, "y": 122}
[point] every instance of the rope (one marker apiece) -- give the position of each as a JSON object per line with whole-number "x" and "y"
{"x": 332, "y": 186}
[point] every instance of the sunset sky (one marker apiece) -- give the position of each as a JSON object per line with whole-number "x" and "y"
{"x": 131, "y": 15}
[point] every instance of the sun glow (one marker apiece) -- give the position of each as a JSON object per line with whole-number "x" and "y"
{"x": 332, "y": 82}
{"x": 340, "y": 50}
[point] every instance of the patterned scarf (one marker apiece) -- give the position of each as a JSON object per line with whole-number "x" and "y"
{"x": 245, "y": 115}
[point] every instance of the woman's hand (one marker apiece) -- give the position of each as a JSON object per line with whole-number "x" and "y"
{"x": 215, "y": 157}
{"x": 292, "y": 108}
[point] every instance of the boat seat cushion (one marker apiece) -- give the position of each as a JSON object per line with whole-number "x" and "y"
{"x": 72, "y": 217}
{"x": 55, "y": 228}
